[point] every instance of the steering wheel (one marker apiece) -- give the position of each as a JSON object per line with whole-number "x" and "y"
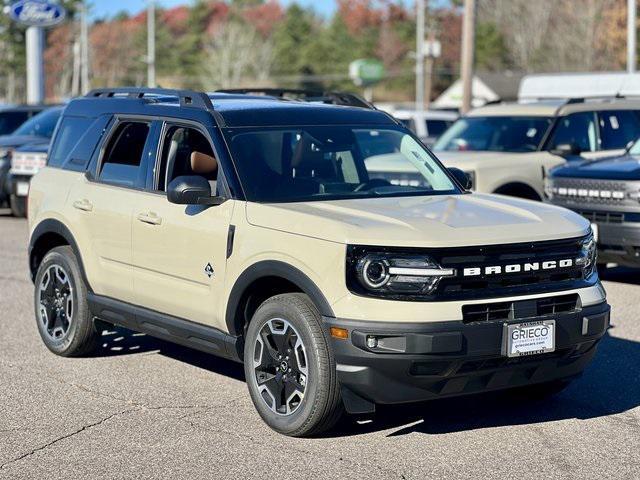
{"x": 371, "y": 184}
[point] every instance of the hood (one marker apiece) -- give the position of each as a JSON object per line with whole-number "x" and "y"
{"x": 429, "y": 221}
{"x": 14, "y": 141}
{"x": 624, "y": 167}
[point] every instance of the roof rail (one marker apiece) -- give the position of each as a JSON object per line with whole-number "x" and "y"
{"x": 187, "y": 98}
{"x": 307, "y": 95}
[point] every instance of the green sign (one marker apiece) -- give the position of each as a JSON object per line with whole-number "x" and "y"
{"x": 365, "y": 72}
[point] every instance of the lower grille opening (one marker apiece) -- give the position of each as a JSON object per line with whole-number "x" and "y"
{"x": 501, "y": 311}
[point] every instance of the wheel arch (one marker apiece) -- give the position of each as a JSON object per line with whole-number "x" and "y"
{"x": 48, "y": 234}
{"x": 263, "y": 280}
{"x": 514, "y": 188}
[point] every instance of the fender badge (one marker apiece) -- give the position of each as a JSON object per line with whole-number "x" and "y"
{"x": 208, "y": 270}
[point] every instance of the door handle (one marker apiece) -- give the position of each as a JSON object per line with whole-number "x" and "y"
{"x": 84, "y": 205}
{"x": 150, "y": 217}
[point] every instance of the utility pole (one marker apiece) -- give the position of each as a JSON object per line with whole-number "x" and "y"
{"x": 420, "y": 7}
{"x": 631, "y": 36}
{"x": 468, "y": 44}
{"x": 35, "y": 65}
{"x": 85, "y": 86}
{"x": 151, "y": 44}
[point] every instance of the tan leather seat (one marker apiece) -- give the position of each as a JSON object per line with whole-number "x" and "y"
{"x": 203, "y": 164}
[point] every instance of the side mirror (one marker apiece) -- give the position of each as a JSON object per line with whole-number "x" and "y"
{"x": 191, "y": 190}
{"x": 461, "y": 177}
{"x": 566, "y": 150}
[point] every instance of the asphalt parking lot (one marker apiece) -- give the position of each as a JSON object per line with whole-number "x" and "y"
{"x": 143, "y": 408}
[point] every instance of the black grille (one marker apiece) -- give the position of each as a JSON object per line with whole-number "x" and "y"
{"x": 603, "y": 217}
{"x": 461, "y": 287}
{"x": 501, "y": 311}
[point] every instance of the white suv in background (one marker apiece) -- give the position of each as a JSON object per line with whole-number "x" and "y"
{"x": 428, "y": 125}
{"x": 508, "y": 148}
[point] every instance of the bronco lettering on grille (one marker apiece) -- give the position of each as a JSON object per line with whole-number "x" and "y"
{"x": 518, "y": 267}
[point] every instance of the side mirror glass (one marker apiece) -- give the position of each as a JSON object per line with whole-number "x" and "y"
{"x": 461, "y": 177}
{"x": 566, "y": 150}
{"x": 191, "y": 190}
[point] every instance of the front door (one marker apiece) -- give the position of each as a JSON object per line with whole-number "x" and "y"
{"x": 179, "y": 251}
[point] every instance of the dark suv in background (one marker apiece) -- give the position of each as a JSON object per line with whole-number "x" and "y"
{"x": 607, "y": 192}
{"x": 37, "y": 130}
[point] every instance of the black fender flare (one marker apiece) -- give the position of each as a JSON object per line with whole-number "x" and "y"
{"x": 273, "y": 268}
{"x": 52, "y": 225}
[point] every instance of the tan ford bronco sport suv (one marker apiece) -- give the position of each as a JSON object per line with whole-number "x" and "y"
{"x": 261, "y": 230}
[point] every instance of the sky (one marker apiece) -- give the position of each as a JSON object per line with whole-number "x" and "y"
{"x": 106, "y": 8}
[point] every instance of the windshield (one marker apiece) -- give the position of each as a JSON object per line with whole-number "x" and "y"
{"x": 336, "y": 162}
{"x": 41, "y": 125}
{"x": 495, "y": 134}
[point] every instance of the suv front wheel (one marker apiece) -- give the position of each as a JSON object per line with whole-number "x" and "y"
{"x": 62, "y": 313}
{"x": 289, "y": 367}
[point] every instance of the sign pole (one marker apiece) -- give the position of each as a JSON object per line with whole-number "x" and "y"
{"x": 35, "y": 65}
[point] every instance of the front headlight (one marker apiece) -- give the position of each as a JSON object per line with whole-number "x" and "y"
{"x": 388, "y": 274}
{"x": 588, "y": 255}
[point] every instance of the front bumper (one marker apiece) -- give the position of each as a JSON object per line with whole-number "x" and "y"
{"x": 445, "y": 359}
{"x": 619, "y": 243}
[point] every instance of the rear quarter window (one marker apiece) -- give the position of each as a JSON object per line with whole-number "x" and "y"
{"x": 75, "y": 141}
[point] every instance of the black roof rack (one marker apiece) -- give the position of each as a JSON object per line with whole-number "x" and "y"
{"x": 306, "y": 95}
{"x": 187, "y": 98}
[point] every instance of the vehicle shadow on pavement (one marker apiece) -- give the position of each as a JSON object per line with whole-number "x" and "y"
{"x": 610, "y": 385}
{"x": 620, "y": 275}
{"x": 119, "y": 341}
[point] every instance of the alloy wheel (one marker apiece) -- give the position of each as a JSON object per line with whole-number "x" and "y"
{"x": 55, "y": 301}
{"x": 280, "y": 366}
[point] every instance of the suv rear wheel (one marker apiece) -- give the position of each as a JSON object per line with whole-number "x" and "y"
{"x": 289, "y": 367}
{"x": 62, "y": 313}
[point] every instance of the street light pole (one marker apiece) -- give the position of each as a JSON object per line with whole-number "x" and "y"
{"x": 468, "y": 42}
{"x": 631, "y": 36}
{"x": 151, "y": 44}
{"x": 420, "y": 7}
{"x": 84, "y": 50}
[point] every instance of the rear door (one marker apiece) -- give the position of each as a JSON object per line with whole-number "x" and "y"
{"x": 102, "y": 203}
{"x": 180, "y": 251}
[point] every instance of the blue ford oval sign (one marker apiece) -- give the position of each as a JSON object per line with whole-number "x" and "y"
{"x": 37, "y": 13}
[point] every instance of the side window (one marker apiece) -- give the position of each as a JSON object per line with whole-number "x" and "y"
{"x": 186, "y": 151}
{"x": 122, "y": 157}
{"x": 70, "y": 131}
{"x": 618, "y": 128}
{"x": 578, "y": 129}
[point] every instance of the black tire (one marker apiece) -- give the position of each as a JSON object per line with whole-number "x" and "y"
{"x": 540, "y": 391}
{"x": 18, "y": 206}
{"x": 80, "y": 337}
{"x": 321, "y": 405}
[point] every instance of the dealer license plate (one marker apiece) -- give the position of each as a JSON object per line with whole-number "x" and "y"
{"x": 530, "y": 338}
{"x": 22, "y": 189}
